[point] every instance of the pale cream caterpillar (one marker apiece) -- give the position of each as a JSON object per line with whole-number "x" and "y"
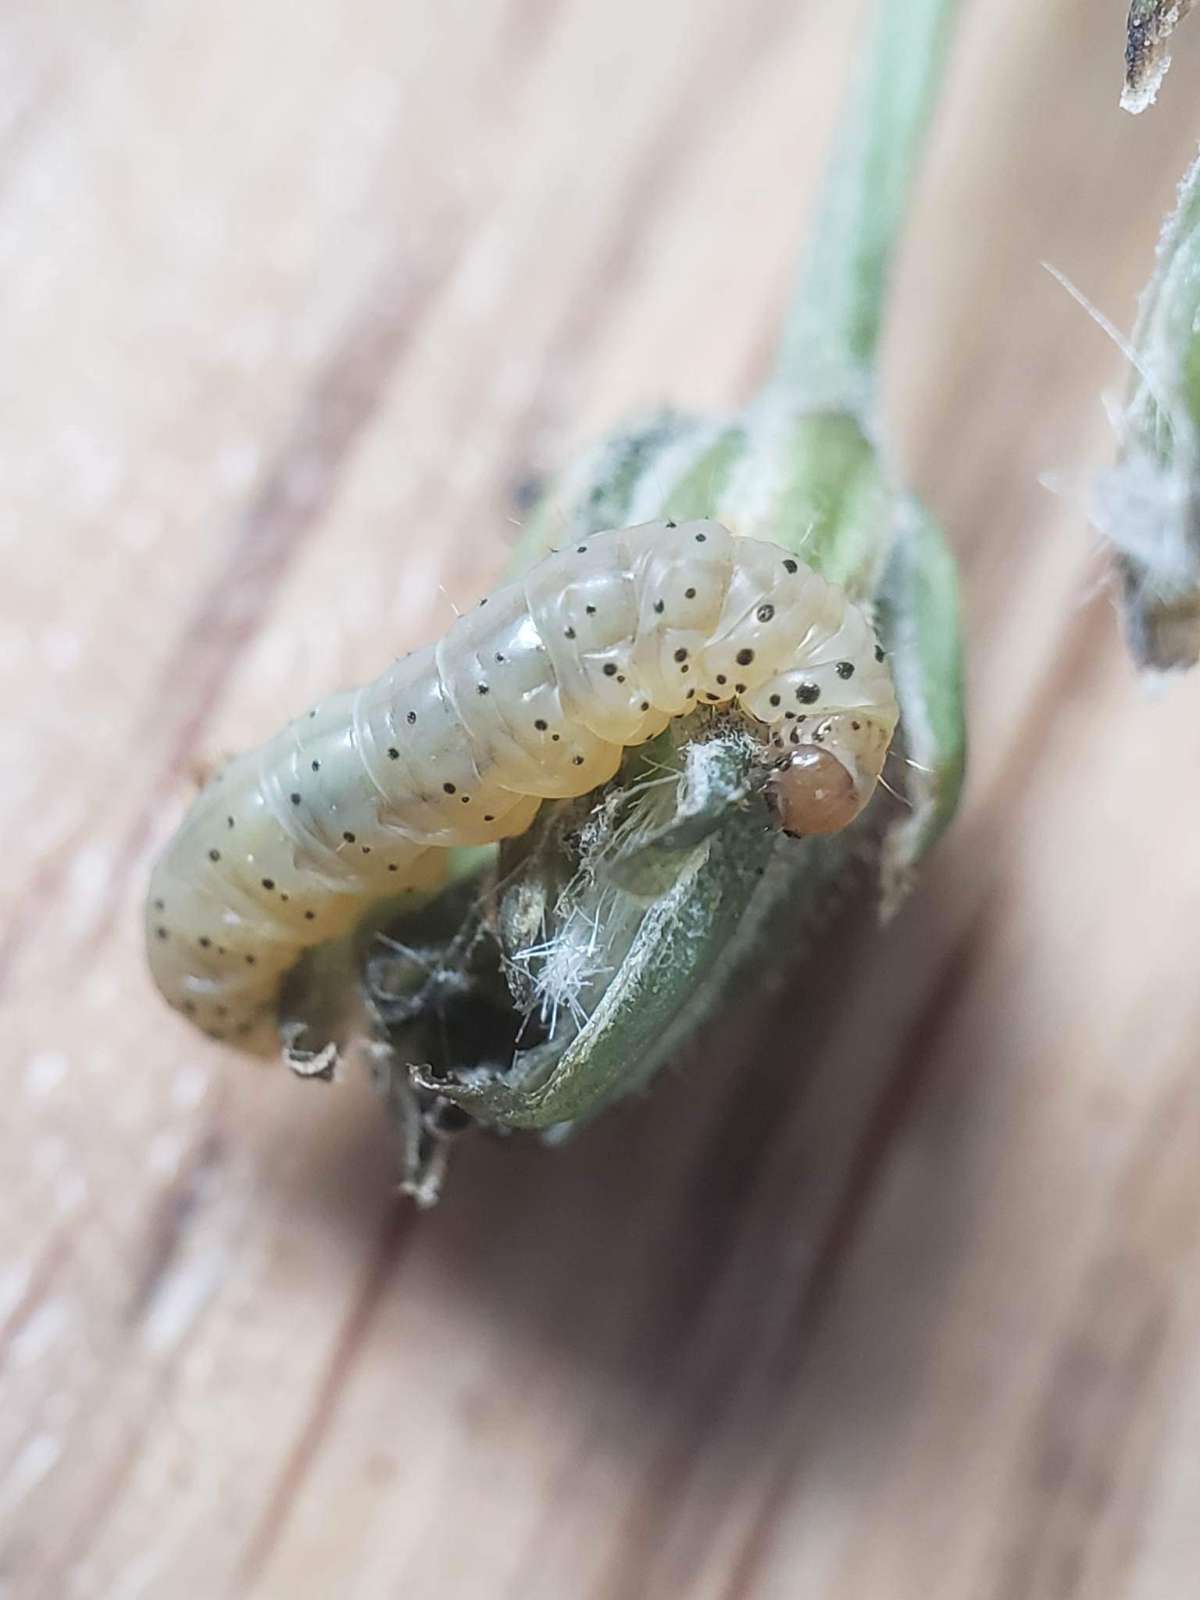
{"x": 534, "y": 694}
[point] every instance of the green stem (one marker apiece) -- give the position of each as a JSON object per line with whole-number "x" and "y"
{"x": 832, "y": 332}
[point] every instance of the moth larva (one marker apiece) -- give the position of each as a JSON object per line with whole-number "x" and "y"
{"x": 534, "y": 694}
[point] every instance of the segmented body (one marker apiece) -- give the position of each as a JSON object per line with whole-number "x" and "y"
{"x": 534, "y": 694}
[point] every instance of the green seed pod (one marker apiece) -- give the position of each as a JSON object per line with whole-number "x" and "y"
{"x": 1148, "y": 505}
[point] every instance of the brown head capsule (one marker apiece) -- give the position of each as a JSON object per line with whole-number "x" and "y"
{"x": 826, "y": 781}
{"x": 813, "y": 793}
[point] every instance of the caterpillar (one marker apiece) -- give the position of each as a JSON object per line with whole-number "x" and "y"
{"x": 535, "y": 694}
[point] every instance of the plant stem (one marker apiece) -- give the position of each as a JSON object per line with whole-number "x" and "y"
{"x": 831, "y": 336}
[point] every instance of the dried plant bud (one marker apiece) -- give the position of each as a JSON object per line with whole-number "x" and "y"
{"x": 1151, "y": 24}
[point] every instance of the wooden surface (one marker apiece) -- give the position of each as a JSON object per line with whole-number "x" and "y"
{"x": 893, "y": 1292}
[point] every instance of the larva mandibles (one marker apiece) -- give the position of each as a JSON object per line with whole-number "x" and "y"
{"x": 534, "y": 694}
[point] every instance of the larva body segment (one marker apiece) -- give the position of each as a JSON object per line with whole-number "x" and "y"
{"x": 534, "y": 694}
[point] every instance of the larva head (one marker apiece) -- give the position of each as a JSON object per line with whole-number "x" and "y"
{"x": 828, "y": 778}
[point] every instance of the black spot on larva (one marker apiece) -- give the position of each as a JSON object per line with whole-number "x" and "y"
{"x": 483, "y": 602}
{"x": 411, "y": 717}
{"x": 765, "y": 613}
{"x": 879, "y": 652}
{"x": 610, "y": 669}
{"x": 806, "y": 693}
{"x": 856, "y": 726}
{"x": 568, "y": 633}
{"x": 540, "y": 724}
{"x": 576, "y": 761}
{"x": 721, "y": 678}
{"x": 499, "y": 657}
{"x": 268, "y": 883}
{"x": 312, "y": 713}
{"x": 555, "y": 737}
{"x": 392, "y": 867}
{"x": 466, "y": 799}
{"x": 204, "y": 942}
{"x": 660, "y": 606}
{"x": 229, "y": 822}
{"x": 481, "y": 688}
{"x": 620, "y": 677}
{"x": 488, "y": 817}
{"x": 160, "y": 905}
{"x": 711, "y": 695}
{"x": 789, "y": 716}
{"x": 790, "y": 565}
{"x": 701, "y": 537}
{"x": 393, "y": 753}
{"x": 681, "y": 654}
{"x": 645, "y": 705}
{"x": 250, "y": 960}
{"x": 775, "y": 699}
{"x": 214, "y": 855}
{"x": 845, "y": 669}
{"x": 684, "y": 669}
{"x": 161, "y": 933}
{"x": 689, "y": 594}
{"x": 690, "y": 695}
{"x": 591, "y": 610}
{"x": 745, "y": 657}
{"x": 294, "y": 798}
{"x": 310, "y": 916}
{"x": 449, "y": 788}
{"x": 739, "y": 688}
{"x": 316, "y": 766}
{"x": 348, "y": 837}
{"x": 581, "y": 550}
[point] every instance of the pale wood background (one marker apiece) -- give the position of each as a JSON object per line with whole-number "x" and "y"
{"x": 895, "y": 1291}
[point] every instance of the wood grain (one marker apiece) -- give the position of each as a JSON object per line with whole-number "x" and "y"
{"x": 894, "y": 1289}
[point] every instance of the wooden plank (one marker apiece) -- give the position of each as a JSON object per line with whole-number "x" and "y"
{"x": 294, "y": 299}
